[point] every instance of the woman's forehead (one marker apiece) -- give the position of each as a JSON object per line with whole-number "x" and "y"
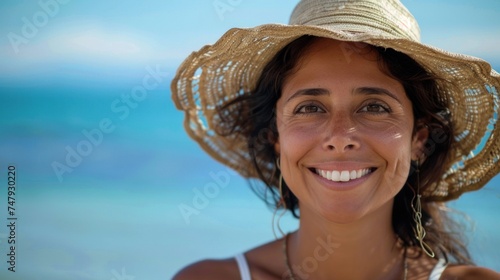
{"x": 342, "y": 50}
{"x": 332, "y": 63}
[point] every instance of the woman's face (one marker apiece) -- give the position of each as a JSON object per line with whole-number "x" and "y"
{"x": 345, "y": 132}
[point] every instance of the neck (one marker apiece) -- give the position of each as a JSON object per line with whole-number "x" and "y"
{"x": 365, "y": 248}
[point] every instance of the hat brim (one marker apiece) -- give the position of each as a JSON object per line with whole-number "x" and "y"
{"x": 220, "y": 72}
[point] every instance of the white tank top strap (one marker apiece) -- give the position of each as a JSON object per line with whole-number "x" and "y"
{"x": 245, "y": 271}
{"x": 243, "y": 267}
{"x": 438, "y": 269}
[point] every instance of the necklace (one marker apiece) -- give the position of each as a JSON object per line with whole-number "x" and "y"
{"x": 292, "y": 275}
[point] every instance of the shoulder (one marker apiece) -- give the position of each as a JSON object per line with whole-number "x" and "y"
{"x": 261, "y": 260}
{"x": 469, "y": 272}
{"x": 210, "y": 269}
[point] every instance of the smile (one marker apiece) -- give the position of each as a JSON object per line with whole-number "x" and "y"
{"x": 344, "y": 175}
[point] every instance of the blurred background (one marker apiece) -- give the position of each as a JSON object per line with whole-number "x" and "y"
{"x": 108, "y": 184}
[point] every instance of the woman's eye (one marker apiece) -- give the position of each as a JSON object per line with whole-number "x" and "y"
{"x": 375, "y": 108}
{"x": 306, "y": 109}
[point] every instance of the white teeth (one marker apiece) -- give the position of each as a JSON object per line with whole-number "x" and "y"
{"x": 354, "y": 174}
{"x": 335, "y": 176}
{"x": 324, "y": 174}
{"x": 344, "y": 175}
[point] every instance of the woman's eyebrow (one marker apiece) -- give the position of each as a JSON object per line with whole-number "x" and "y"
{"x": 308, "y": 92}
{"x": 360, "y": 90}
{"x": 376, "y": 91}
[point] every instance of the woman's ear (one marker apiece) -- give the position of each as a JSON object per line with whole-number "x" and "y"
{"x": 418, "y": 142}
{"x": 277, "y": 146}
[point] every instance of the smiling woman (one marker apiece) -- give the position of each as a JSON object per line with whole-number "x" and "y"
{"x": 357, "y": 129}
{"x": 351, "y": 127}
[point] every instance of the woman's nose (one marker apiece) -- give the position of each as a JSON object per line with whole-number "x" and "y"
{"x": 341, "y": 134}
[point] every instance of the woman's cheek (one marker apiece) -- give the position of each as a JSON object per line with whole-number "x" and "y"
{"x": 296, "y": 137}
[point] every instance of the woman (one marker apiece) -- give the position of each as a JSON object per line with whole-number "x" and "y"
{"x": 358, "y": 129}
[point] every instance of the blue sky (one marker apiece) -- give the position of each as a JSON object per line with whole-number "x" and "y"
{"x": 113, "y": 40}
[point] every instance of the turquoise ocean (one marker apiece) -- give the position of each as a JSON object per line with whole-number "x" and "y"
{"x": 139, "y": 199}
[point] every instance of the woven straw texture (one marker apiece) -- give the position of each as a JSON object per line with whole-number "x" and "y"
{"x": 220, "y": 72}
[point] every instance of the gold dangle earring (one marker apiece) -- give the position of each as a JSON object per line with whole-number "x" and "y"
{"x": 416, "y": 206}
{"x": 281, "y": 202}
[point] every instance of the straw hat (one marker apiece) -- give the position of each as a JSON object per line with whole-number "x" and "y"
{"x": 220, "y": 72}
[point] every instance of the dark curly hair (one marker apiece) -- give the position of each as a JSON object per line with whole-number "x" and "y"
{"x": 256, "y": 121}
